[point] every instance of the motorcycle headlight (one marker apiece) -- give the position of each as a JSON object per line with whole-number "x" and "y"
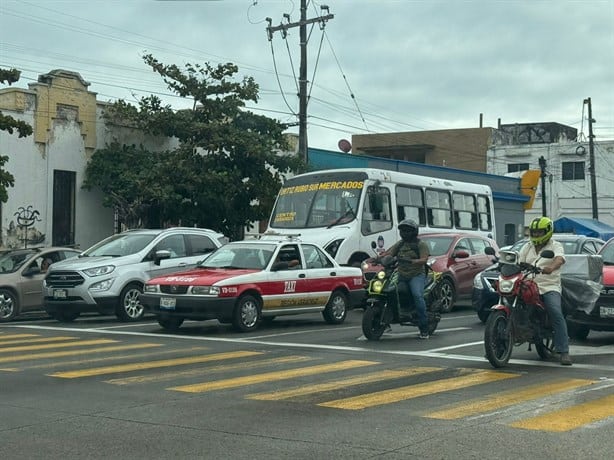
{"x": 506, "y": 286}
{"x": 377, "y": 286}
{"x": 381, "y": 275}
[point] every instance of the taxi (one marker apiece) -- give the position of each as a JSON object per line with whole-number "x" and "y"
{"x": 246, "y": 282}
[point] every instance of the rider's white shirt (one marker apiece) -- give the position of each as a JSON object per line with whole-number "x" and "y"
{"x": 546, "y": 283}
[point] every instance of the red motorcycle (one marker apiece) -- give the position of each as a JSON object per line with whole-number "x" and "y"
{"x": 520, "y": 316}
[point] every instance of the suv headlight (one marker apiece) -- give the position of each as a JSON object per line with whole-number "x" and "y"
{"x": 99, "y": 271}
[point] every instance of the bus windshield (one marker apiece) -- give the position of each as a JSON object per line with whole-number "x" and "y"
{"x": 319, "y": 202}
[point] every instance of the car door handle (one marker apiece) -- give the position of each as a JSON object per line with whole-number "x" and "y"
{"x": 182, "y": 265}
{"x": 333, "y": 273}
{"x": 302, "y": 275}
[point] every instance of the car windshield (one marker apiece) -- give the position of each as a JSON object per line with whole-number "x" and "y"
{"x": 13, "y": 260}
{"x": 122, "y": 244}
{"x": 240, "y": 256}
{"x": 438, "y": 245}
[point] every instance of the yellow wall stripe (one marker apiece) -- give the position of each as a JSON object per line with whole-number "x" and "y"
{"x": 343, "y": 383}
{"x": 206, "y": 370}
{"x": 152, "y": 364}
{"x": 571, "y": 417}
{"x": 271, "y": 376}
{"x": 87, "y": 351}
{"x": 506, "y": 399}
{"x": 415, "y": 391}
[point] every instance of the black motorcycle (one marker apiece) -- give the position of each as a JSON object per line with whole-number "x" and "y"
{"x": 388, "y": 303}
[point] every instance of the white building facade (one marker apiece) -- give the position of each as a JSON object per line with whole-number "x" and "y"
{"x": 567, "y": 189}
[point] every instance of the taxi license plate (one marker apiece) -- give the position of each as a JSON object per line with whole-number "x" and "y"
{"x": 60, "y": 294}
{"x": 606, "y": 312}
{"x": 167, "y": 303}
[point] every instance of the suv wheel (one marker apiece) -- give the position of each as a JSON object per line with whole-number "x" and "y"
{"x": 447, "y": 294}
{"x": 8, "y": 305}
{"x": 130, "y": 308}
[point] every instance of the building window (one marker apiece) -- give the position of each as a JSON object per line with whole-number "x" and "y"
{"x": 515, "y": 167}
{"x": 573, "y": 170}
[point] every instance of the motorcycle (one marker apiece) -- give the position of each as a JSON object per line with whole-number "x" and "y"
{"x": 385, "y": 302}
{"x": 520, "y": 316}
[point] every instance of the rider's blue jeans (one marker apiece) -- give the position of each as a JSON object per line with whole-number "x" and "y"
{"x": 416, "y": 287}
{"x": 552, "y": 300}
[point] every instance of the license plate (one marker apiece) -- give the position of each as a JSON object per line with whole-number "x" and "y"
{"x": 167, "y": 303}
{"x": 606, "y": 312}
{"x": 60, "y": 294}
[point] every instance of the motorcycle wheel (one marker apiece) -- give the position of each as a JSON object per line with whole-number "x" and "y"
{"x": 433, "y": 319}
{"x": 372, "y": 326}
{"x": 498, "y": 342}
{"x": 545, "y": 348}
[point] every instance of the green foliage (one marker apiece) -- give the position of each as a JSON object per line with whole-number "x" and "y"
{"x": 10, "y": 124}
{"x": 225, "y": 173}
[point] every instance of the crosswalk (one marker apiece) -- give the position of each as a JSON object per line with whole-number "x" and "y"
{"x": 556, "y": 405}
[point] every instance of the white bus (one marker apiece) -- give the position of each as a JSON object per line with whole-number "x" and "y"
{"x": 345, "y": 210}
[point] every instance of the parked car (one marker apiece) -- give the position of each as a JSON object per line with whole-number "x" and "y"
{"x": 459, "y": 256}
{"x": 108, "y": 277}
{"x": 484, "y": 295}
{"x": 601, "y": 318}
{"x": 245, "y": 282}
{"x": 21, "y": 278}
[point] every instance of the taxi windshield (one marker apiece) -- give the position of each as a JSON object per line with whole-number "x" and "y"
{"x": 240, "y": 256}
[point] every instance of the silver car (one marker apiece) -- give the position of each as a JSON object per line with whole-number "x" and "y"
{"x": 21, "y": 278}
{"x": 108, "y": 278}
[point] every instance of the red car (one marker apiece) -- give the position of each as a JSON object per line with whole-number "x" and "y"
{"x": 601, "y": 318}
{"x": 459, "y": 256}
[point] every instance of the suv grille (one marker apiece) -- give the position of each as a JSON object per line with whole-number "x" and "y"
{"x": 173, "y": 289}
{"x": 64, "y": 279}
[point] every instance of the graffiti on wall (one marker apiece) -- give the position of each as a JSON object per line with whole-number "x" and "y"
{"x": 24, "y": 233}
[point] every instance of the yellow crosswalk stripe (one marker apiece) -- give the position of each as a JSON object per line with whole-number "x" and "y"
{"x": 152, "y": 364}
{"x": 165, "y": 376}
{"x": 506, "y": 399}
{"x": 16, "y": 336}
{"x": 271, "y": 376}
{"x": 570, "y": 418}
{"x": 90, "y": 360}
{"x": 78, "y": 343}
{"x": 85, "y": 351}
{"x": 343, "y": 383}
{"x": 418, "y": 390}
{"x": 39, "y": 340}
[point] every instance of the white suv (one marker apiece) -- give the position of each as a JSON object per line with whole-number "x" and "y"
{"x": 109, "y": 277}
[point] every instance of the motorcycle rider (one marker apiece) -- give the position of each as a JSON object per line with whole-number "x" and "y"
{"x": 549, "y": 280}
{"x": 412, "y": 255}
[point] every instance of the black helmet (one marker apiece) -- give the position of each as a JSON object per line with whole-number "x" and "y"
{"x": 409, "y": 225}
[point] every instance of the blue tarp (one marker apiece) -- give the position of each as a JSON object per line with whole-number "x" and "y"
{"x": 582, "y": 226}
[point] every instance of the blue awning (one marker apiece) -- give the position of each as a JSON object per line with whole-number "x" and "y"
{"x": 582, "y": 226}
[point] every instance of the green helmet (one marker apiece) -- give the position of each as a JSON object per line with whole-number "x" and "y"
{"x": 540, "y": 230}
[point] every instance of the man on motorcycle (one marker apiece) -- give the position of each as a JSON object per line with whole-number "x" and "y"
{"x": 549, "y": 280}
{"x": 412, "y": 255}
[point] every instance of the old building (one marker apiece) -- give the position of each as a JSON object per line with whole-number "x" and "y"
{"x": 47, "y": 205}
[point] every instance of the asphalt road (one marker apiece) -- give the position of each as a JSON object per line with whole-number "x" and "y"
{"x": 296, "y": 388}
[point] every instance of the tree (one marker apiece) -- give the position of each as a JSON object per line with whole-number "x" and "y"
{"x": 226, "y": 171}
{"x": 10, "y": 124}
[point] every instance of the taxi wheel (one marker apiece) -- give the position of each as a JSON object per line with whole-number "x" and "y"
{"x": 246, "y": 315}
{"x": 8, "y": 305}
{"x": 336, "y": 309}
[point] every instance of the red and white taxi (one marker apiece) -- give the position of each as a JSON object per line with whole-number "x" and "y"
{"x": 247, "y": 281}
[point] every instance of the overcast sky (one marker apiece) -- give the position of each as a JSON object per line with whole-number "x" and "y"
{"x": 410, "y": 65}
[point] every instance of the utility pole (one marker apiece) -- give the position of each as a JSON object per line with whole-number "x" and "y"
{"x": 302, "y": 80}
{"x": 542, "y": 166}
{"x": 591, "y": 153}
